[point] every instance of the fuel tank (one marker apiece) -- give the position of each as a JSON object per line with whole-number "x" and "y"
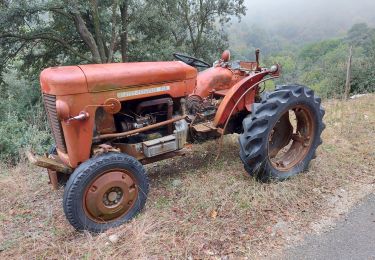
{"x": 216, "y": 78}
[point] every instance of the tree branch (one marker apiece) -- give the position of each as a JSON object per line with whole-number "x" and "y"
{"x": 113, "y": 32}
{"x": 124, "y": 10}
{"x": 185, "y": 9}
{"x": 45, "y": 36}
{"x": 86, "y": 36}
{"x": 98, "y": 33}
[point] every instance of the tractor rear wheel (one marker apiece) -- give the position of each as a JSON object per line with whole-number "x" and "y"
{"x": 282, "y": 133}
{"x": 105, "y": 192}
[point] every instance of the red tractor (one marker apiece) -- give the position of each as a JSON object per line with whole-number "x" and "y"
{"x": 108, "y": 120}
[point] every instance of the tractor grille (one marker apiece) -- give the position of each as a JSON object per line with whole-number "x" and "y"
{"x": 50, "y": 106}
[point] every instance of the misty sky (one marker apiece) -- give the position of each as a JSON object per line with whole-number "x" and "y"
{"x": 334, "y": 17}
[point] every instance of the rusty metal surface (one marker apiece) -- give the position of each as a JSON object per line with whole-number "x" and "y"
{"x": 133, "y": 81}
{"x": 217, "y": 78}
{"x": 157, "y": 146}
{"x": 104, "y": 148}
{"x": 257, "y": 52}
{"x": 222, "y": 130}
{"x": 53, "y": 179}
{"x": 134, "y": 150}
{"x": 104, "y": 122}
{"x": 48, "y": 163}
{"x": 149, "y": 103}
{"x": 103, "y": 77}
{"x": 50, "y": 107}
{"x": 225, "y": 56}
{"x": 63, "y": 80}
{"x": 204, "y": 127}
{"x": 249, "y": 65}
{"x": 79, "y": 134}
{"x": 140, "y": 130}
{"x": 233, "y": 99}
{"x": 110, "y": 195}
{"x": 287, "y": 147}
{"x": 112, "y": 105}
{"x": 157, "y": 102}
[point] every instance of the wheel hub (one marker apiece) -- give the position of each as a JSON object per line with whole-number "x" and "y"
{"x": 110, "y": 195}
{"x": 291, "y": 138}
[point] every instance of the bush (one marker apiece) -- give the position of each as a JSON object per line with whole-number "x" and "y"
{"x": 23, "y": 123}
{"x": 17, "y": 135}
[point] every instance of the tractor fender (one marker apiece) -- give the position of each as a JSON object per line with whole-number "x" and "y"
{"x": 235, "y": 93}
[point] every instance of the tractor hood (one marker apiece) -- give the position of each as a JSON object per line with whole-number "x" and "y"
{"x": 70, "y": 80}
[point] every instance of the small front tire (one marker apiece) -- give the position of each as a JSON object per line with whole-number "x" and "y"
{"x": 105, "y": 192}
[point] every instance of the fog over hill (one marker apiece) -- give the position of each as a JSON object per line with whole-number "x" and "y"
{"x": 274, "y": 24}
{"x": 309, "y": 19}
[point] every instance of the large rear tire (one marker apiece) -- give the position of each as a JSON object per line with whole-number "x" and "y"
{"x": 282, "y": 133}
{"x": 105, "y": 192}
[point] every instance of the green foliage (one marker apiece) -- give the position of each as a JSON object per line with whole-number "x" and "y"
{"x": 23, "y": 123}
{"x": 18, "y": 135}
{"x": 322, "y": 65}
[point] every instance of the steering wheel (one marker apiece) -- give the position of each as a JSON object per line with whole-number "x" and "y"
{"x": 191, "y": 60}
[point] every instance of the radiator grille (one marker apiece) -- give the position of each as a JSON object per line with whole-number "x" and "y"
{"x": 50, "y": 106}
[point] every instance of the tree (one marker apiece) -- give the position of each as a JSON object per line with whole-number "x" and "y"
{"x": 195, "y": 24}
{"x": 46, "y": 32}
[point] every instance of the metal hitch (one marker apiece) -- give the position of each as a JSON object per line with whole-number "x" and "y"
{"x": 49, "y": 163}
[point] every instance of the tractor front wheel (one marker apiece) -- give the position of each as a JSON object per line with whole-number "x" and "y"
{"x": 282, "y": 133}
{"x": 105, "y": 192}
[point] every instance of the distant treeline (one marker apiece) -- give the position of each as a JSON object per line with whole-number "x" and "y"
{"x": 323, "y": 65}
{"x": 320, "y": 65}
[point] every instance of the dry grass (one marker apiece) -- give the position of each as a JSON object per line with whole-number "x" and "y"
{"x": 199, "y": 207}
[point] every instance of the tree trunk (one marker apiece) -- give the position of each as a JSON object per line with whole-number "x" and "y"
{"x": 124, "y": 10}
{"x": 98, "y": 34}
{"x": 86, "y": 36}
{"x": 348, "y": 74}
{"x": 113, "y": 32}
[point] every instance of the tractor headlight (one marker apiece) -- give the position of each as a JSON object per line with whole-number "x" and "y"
{"x": 62, "y": 110}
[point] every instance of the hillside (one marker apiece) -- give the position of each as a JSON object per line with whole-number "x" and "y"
{"x": 199, "y": 207}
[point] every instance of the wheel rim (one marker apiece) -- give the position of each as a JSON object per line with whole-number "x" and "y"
{"x": 110, "y": 196}
{"x": 291, "y": 138}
